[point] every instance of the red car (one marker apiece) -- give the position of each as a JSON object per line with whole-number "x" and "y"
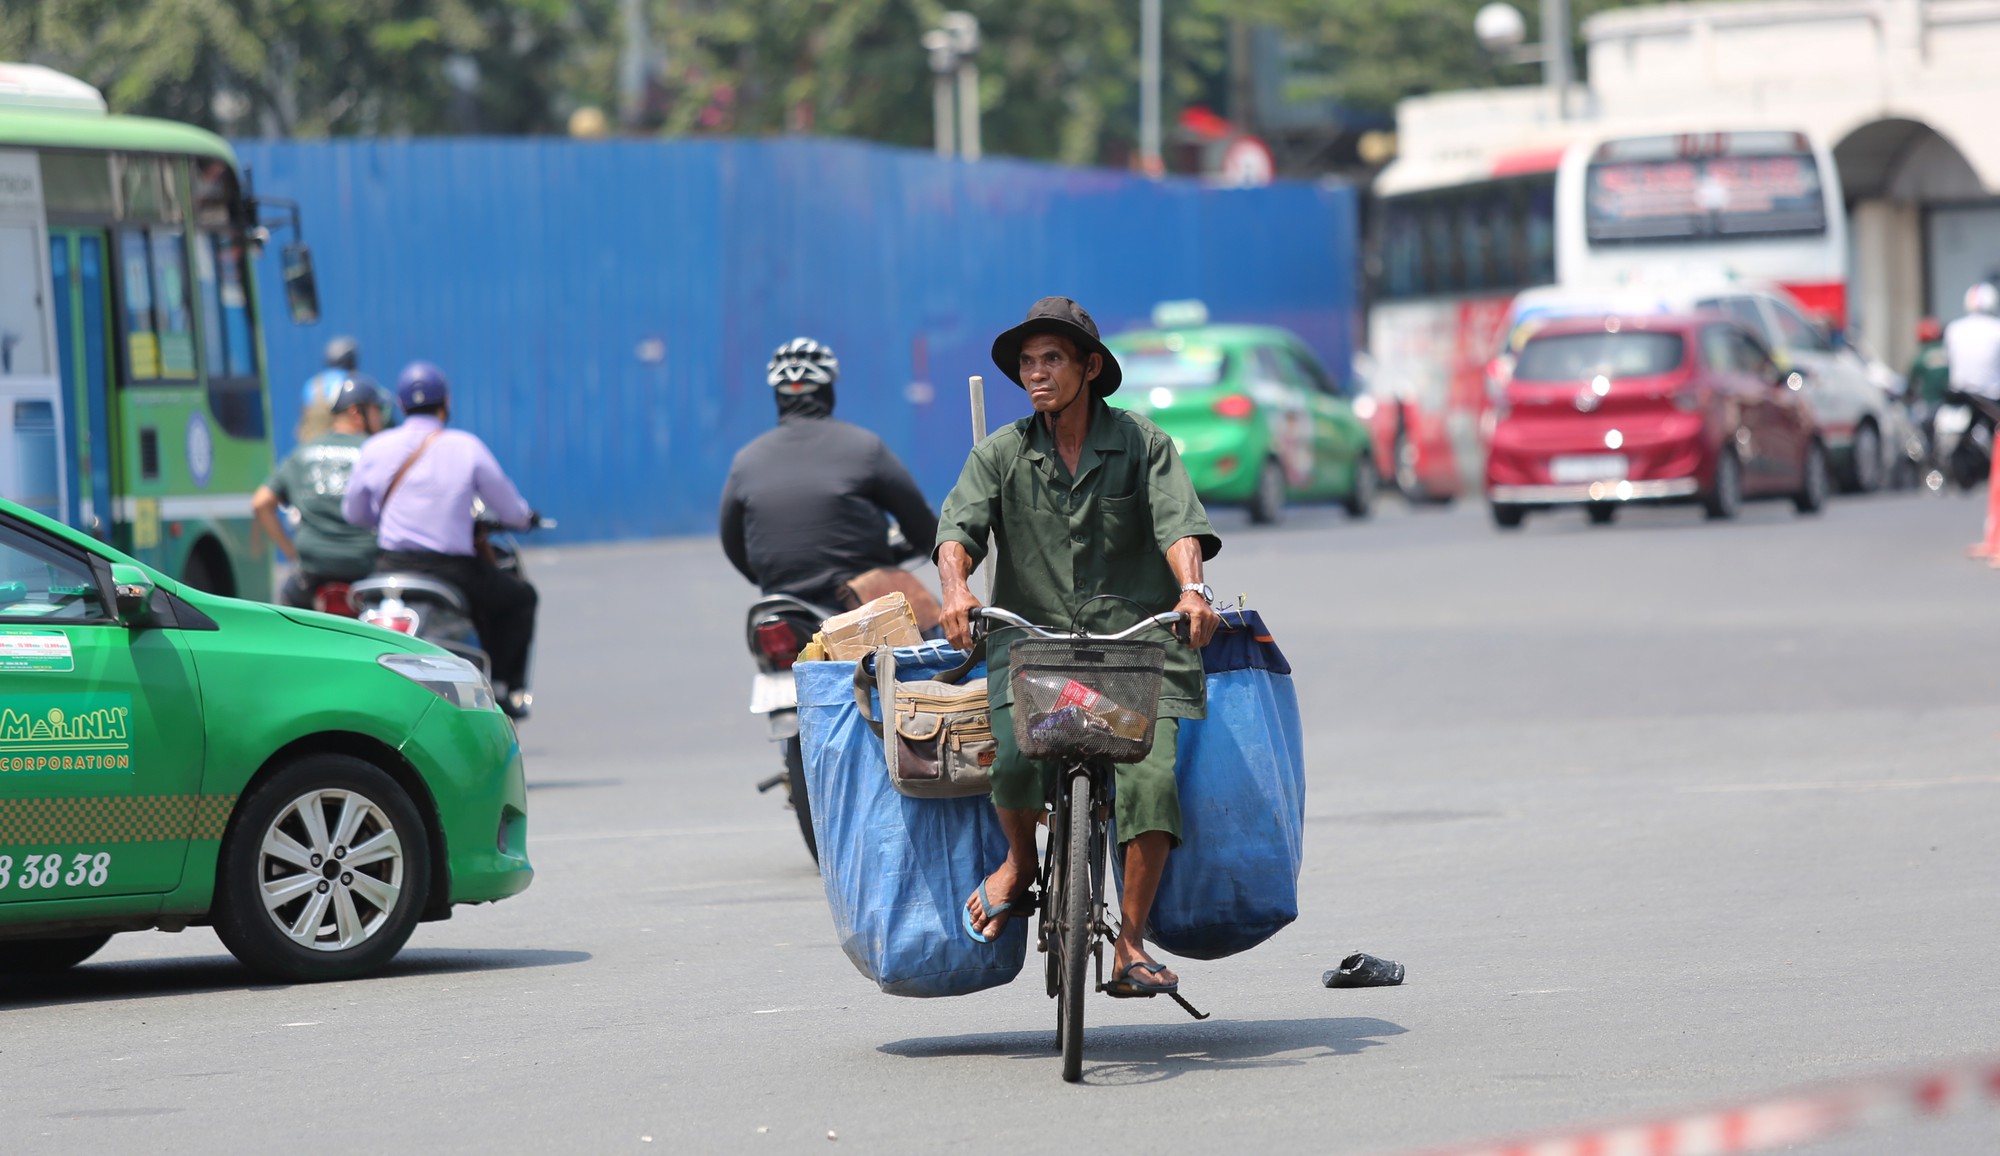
{"x": 1603, "y": 411}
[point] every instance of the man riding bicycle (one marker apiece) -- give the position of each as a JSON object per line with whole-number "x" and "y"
{"x": 1082, "y": 501}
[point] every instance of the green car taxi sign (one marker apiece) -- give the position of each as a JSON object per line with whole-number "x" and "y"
{"x": 310, "y": 786}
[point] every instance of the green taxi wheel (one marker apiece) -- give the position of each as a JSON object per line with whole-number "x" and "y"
{"x": 1267, "y": 504}
{"x": 47, "y": 956}
{"x": 324, "y": 873}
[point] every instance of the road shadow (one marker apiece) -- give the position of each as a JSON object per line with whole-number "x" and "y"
{"x": 155, "y": 978}
{"x": 1149, "y": 1053}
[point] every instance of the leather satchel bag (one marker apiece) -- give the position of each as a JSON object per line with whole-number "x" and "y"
{"x": 936, "y": 735}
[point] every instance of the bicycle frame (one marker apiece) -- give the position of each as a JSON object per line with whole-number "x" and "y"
{"x": 1063, "y": 908}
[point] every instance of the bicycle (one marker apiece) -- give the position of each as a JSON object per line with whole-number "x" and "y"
{"x": 1074, "y": 921}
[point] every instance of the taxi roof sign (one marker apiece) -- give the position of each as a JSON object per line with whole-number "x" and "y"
{"x": 1180, "y": 315}
{"x": 33, "y": 86}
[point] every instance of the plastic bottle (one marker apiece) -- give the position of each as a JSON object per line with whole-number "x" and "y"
{"x": 1123, "y": 721}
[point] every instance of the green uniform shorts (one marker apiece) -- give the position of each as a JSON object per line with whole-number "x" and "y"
{"x": 1146, "y": 796}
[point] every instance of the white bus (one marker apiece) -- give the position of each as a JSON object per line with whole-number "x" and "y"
{"x": 1604, "y": 209}
{"x": 1667, "y": 209}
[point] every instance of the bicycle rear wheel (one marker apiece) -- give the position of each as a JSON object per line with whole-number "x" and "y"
{"x": 1075, "y": 931}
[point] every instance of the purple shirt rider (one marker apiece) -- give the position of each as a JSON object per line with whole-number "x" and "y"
{"x": 432, "y": 508}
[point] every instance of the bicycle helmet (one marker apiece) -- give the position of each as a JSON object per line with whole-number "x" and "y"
{"x": 357, "y": 389}
{"x": 343, "y": 352}
{"x": 801, "y": 365}
{"x": 1982, "y": 298}
{"x": 422, "y": 385}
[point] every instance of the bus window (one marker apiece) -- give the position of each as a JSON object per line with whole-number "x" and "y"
{"x": 149, "y": 188}
{"x": 235, "y": 394}
{"x": 172, "y": 311}
{"x": 1402, "y": 252}
{"x": 1540, "y": 228}
{"x": 159, "y": 321}
{"x": 78, "y": 185}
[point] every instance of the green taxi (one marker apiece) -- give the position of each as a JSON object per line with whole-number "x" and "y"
{"x": 1256, "y": 418}
{"x": 309, "y": 786}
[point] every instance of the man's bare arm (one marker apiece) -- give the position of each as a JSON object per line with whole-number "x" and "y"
{"x": 955, "y": 565}
{"x": 264, "y": 504}
{"x": 1184, "y": 557}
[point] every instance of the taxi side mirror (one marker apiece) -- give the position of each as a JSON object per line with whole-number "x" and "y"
{"x": 134, "y": 591}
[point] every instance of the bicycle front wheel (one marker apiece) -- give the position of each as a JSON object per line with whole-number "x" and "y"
{"x": 1075, "y": 930}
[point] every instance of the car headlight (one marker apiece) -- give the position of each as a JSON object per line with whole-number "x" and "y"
{"x": 448, "y": 676}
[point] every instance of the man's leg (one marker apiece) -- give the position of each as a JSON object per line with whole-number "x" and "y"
{"x": 1019, "y": 789}
{"x": 1149, "y": 821}
{"x": 503, "y": 606}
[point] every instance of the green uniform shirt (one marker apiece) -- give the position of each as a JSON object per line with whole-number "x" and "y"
{"x": 313, "y": 479}
{"x": 1930, "y": 373}
{"x": 1064, "y": 540}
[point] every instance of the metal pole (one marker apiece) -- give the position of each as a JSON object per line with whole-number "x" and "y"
{"x": 1149, "y": 88}
{"x": 978, "y": 387}
{"x": 937, "y": 42}
{"x": 968, "y": 109}
{"x": 941, "y": 113}
{"x": 632, "y": 64}
{"x": 1555, "y": 51}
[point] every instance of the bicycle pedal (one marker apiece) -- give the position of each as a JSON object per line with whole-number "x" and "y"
{"x": 1188, "y": 1007}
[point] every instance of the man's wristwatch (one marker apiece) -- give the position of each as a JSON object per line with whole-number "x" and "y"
{"x": 1201, "y": 588}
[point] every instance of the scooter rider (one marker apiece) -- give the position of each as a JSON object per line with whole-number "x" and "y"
{"x": 1972, "y": 350}
{"x": 415, "y": 484}
{"x": 802, "y": 511}
{"x": 343, "y": 358}
{"x": 313, "y": 479}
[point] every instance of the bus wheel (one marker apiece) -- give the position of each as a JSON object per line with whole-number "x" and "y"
{"x": 208, "y": 569}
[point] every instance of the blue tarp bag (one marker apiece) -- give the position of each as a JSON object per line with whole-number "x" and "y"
{"x": 1234, "y": 881}
{"x": 897, "y": 870}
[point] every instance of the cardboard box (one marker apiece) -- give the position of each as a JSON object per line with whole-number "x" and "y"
{"x": 887, "y": 621}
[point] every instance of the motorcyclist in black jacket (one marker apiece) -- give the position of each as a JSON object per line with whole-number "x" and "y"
{"x": 803, "y": 509}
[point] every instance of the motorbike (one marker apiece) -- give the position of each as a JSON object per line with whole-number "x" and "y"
{"x": 1961, "y": 448}
{"x": 777, "y": 628}
{"x": 427, "y": 607}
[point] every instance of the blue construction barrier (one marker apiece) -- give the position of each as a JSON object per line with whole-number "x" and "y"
{"x": 605, "y": 309}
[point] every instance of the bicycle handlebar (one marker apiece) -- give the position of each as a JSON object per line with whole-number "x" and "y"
{"x": 1009, "y": 618}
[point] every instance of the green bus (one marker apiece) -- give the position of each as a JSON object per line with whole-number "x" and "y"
{"x": 132, "y": 377}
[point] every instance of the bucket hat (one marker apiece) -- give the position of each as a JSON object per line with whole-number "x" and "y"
{"x": 1065, "y": 318}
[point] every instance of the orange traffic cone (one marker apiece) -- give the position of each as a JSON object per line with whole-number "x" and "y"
{"x": 1988, "y": 546}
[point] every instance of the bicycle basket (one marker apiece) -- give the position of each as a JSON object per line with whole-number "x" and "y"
{"x": 1075, "y": 698}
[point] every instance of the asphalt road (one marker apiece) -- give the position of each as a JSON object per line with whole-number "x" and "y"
{"x": 1658, "y": 815}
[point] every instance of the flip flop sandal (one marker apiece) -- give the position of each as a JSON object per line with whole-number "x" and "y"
{"x": 1123, "y": 986}
{"x": 1024, "y": 904}
{"x": 1363, "y": 970}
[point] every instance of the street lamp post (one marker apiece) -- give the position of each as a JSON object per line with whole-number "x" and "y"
{"x": 1149, "y": 88}
{"x": 963, "y": 27}
{"x": 952, "y": 46}
{"x": 1502, "y": 31}
{"x": 937, "y": 42}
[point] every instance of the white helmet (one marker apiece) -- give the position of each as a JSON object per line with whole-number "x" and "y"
{"x": 1982, "y": 298}
{"x": 801, "y": 365}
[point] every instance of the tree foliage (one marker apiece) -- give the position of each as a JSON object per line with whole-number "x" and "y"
{"x": 313, "y": 67}
{"x": 1059, "y": 78}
